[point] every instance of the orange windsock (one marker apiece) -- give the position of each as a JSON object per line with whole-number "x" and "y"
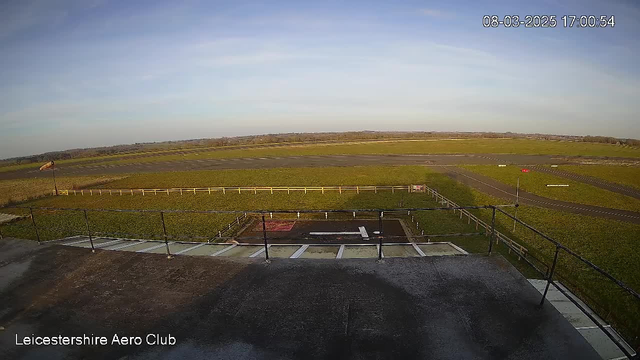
{"x": 46, "y": 166}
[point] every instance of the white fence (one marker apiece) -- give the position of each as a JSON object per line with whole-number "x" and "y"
{"x": 248, "y": 189}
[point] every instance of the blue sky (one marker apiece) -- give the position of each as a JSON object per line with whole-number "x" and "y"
{"x": 86, "y": 73}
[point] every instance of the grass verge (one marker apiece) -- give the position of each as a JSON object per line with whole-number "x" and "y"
{"x": 625, "y": 175}
{"x": 536, "y": 183}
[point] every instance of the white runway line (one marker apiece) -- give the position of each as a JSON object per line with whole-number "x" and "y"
{"x": 340, "y": 252}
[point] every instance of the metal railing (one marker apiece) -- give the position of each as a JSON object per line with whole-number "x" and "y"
{"x": 380, "y": 236}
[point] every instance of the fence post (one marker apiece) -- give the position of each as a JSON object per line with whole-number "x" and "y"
{"x": 264, "y": 236}
{"x": 33, "y": 221}
{"x": 493, "y": 229}
{"x": 380, "y": 228}
{"x": 550, "y": 279}
{"x": 164, "y": 233}
{"x": 86, "y": 220}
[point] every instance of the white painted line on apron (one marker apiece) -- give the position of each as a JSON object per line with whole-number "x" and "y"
{"x": 419, "y": 250}
{"x": 151, "y": 248}
{"x": 335, "y": 233}
{"x": 299, "y": 252}
{"x": 259, "y": 251}
{"x": 124, "y": 246}
{"x": 458, "y": 248}
{"x": 77, "y": 242}
{"x": 108, "y": 243}
{"x": 340, "y": 252}
{"x": 189, "y": 249}
{"x": 223, "y": 250}
{"x": 363, "y": 232}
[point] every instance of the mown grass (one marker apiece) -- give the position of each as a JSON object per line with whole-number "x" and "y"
{"x": 536, "y": 183}
{"x": 442, "y": 146}
{"x": 15, "y": 191}
{"x": 360, "y": 175}
{"x": 625, "y": 175}
{"x": 609, "y": 244}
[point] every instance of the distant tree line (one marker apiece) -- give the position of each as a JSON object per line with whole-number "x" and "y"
{"x": 611, "y": 140}
{"x": 295, "y": 138}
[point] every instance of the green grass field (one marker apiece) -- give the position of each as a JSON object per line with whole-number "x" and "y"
{"x": 13, "y": 191}
{"x": 478, "y": 146}
{"x": 625, "y": 175}
{"x": 609, "y": 244}
{"x": 535, "y": 183}
{"x": 442, "y": 146}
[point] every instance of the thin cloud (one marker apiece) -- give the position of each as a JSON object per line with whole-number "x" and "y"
{"x": 434, "y": 13}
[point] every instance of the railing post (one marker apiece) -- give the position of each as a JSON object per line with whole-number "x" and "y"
{"x": 35, "y": 227}
{"x": 550, "y": 279}
{"x": 86, "y": 220}
{"x": 264, "y": 236}
{"x": 164, "y": 233}
{"x": 493, "y": 229}
{"x": 380, "y": 228}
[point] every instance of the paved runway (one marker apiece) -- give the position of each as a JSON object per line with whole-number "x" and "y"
{"x": 445, "y": 164}
{"x": 294, "y": 161}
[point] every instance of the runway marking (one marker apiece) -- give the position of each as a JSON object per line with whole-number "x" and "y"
{"x": 340, "y": 252}
{"x": 548, "y": 203}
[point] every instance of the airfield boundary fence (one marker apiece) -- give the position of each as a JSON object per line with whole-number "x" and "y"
{"x": 246, "y": 189}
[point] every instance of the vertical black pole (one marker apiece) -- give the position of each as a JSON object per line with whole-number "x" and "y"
{"x": 264, "y": 235}
{"x": 164, "y": 232}
{"x": 54, "y": 178}
{"x": 380, "y": 229}
{"x": 1, "y": 237}
{"x": 86, "y": 220}
{"x": 493, "y": 229}
{"x": 550, "y": 278}
{"x": 33, "y": 221}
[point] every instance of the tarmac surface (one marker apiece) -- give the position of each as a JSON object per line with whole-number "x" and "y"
{"x": 495, "y": 188}
{"x": 449, "y": 307}
{"x": 297, "y": 161}
{"x": 302, "y": 230}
